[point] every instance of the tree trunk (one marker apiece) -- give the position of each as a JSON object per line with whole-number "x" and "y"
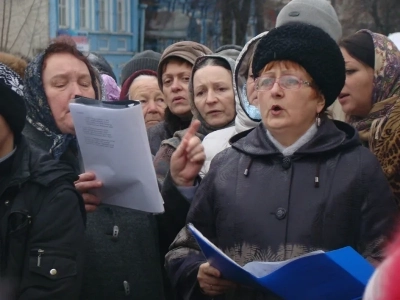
{"x": 226, "y": 16}
{"x": 259, "y": 9}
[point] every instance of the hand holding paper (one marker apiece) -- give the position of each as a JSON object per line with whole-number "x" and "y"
{"x": 86, "y": 182}
{"x": 114, "y": 146}
{"x": 211, "y": 283}
{"x": 338, "y": 274}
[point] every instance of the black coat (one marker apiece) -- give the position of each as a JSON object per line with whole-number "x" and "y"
{"x": 42, "y": 228}
{"x": 165, "y": 130}
{"x": 255, "y": 204}
{"x": 122, "y": 259}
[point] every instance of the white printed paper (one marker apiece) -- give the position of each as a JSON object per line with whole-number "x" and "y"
{"x": 114, "y": 145}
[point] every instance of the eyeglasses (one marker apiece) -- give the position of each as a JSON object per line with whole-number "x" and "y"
{"x": 287, "y": 82}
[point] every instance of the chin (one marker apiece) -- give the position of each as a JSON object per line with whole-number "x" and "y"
{"x": 181, "y": 110}
{"x": 151, "y": 123}
{"x": 276, "y": 125}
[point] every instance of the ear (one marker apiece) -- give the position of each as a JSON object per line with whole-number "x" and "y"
{"x": 320, "y": 104}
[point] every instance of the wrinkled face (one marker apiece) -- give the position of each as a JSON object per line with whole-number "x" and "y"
{"x": 356, "y": 95}
{"x": 289, "y": 110}
{"x": 175, "y": 80}
{"x": 65, "y": 77}
{"x": 146, "y": 90}
{"x": 251, "y": 88}
{"x": 213, "y": 95}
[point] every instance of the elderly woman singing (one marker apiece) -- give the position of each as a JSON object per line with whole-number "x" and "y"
{"x": 298, "y": 182}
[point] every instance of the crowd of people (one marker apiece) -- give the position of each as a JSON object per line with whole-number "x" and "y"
{"x": 274, "y": 149}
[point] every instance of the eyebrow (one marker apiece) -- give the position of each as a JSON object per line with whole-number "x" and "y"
{"x": 178, "y": 74}
{"x": 65, "y": 75}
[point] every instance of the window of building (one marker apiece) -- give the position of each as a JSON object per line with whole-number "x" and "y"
{"x": 63, "y": 13}
{"x": 121, "y": 45}
{"x": 121, "y": 15}
{"x": 103, "y": 15}
{"x": 84, "y": 14}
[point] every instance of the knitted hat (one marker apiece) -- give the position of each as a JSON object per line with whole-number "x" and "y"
{"x": 185, "y": 50}
{"x": 319, "y": 13}
{"x": 146, "y": 60}
{"x": 231, "y": 51}
{"x": 310, "y": 47}
{"x": 12, "y": 105}
{"x": 128, "y": 82}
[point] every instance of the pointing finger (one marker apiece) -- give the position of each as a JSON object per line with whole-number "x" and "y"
{"x": 194, "y": 126}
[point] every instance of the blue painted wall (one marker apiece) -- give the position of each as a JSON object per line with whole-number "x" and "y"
{"x": 116, "y": 47}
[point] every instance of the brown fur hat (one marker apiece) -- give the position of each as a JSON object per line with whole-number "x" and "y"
{"x": 14, "y": 62}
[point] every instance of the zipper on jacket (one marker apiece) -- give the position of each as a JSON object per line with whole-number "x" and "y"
{"x": 40, "y": 252}
{"x": 51, "y": 252}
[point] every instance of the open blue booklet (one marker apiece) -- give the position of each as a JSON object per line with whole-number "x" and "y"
{"x": 339, "y": 274}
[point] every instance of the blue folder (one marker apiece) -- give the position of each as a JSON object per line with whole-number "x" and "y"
{"x": 335, "y": 275}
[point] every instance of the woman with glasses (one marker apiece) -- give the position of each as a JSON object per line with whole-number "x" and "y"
{"x": 296, "y": 183}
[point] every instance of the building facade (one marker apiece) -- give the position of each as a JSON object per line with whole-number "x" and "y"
{"x": 111, "y": 28}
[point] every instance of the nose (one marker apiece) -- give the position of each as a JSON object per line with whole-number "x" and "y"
{"x": 276, "y": 91}
{"x": 75, "y": 90}
{"x": 176, "y": 86}
{"x": 152, "y": 107}
{"x": 211, "y": 98}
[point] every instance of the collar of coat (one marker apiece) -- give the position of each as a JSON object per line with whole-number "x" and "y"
{"x": 31, "y": 164}
{"x": 331, "y": 136}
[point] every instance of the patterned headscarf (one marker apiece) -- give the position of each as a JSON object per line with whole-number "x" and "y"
{"x": 39, "y": 114}
{"x": 386, "y": 89}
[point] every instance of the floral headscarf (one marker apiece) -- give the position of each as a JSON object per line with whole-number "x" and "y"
{"x": 39, "y": 114}
{"x": 386, "y": 88}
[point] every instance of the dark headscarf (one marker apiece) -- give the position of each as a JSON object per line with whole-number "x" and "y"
{"x": 39, "y": 114}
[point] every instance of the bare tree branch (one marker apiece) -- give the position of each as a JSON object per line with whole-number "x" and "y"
{"x": 34, "y": 27}
{"x": 23, "y": 24}
{"x": 8, "y": 25}
{"x": 3, "y": 24}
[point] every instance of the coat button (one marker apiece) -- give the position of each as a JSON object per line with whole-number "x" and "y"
{"x": 127, "y": 288}
{"x": 53, "y": 272}
{"x": 286, "y": 162}
{"x": 7, "y": 202}
{"x": 280, "y": 213}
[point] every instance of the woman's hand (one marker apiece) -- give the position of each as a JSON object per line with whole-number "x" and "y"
{"x": 87, "y": 181}
{"x": 210, "y": 282}
{"x": 188, "y": 158}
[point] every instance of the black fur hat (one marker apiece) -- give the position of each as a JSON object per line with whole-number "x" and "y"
{"x": 310, "y": 47}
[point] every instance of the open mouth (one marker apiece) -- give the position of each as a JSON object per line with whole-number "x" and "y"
{"x": 276, "y": 108}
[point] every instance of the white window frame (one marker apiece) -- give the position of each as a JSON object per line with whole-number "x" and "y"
{"x": 104, "y": 21}
{"x": 84, "y": 11}
{"x": 63, "y": 5}
{"x": 121, "y": 16}
{"x": 108, "y": 44}
{"x": 125, "y": 45}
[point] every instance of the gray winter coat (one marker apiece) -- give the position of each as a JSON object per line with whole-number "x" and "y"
{"x": 257, "y": 205}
